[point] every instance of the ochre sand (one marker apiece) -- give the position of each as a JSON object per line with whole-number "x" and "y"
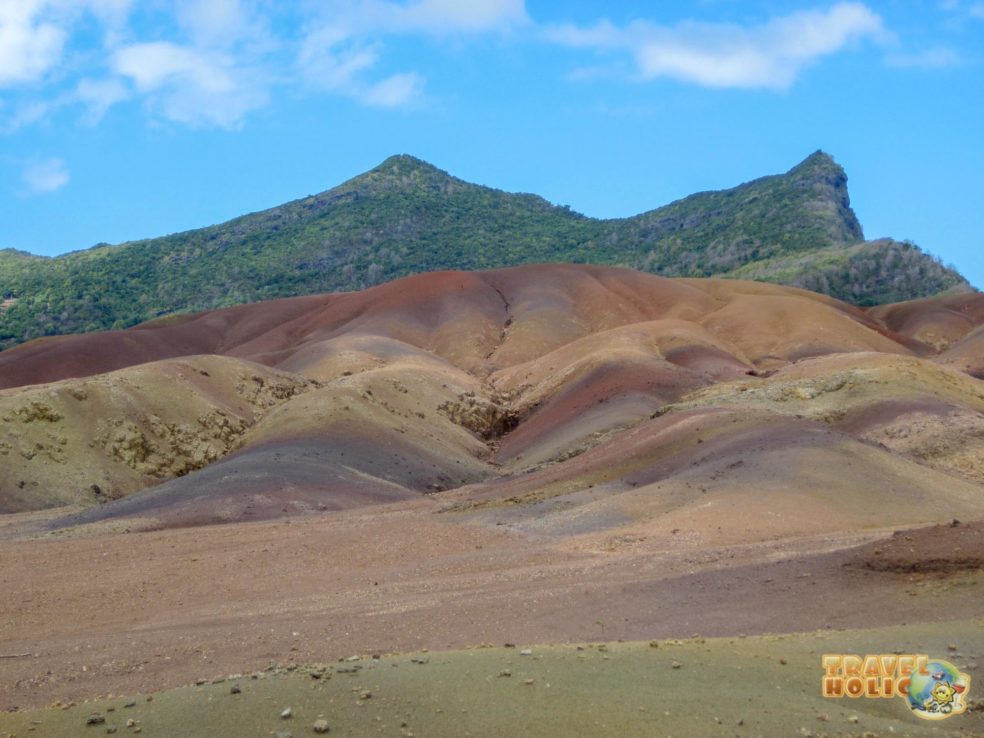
{"x": 542, "y": 455}
{"x": 744, "y": 686}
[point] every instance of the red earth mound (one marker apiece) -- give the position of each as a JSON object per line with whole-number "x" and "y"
{"x": 553, "y": 367}
{"x": 935, "y": 321}
{"x": 487, "y": 320}
{"x": 545, "y": 453}
{"x": 937, "y": 549}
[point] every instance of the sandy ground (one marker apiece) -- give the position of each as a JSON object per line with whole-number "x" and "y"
{"x": 708, "y": 687}
{"x": 89, "y": 615}
{"x": 544, "y": 455}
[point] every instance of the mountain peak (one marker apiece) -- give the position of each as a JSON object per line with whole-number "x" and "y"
{"x": 818, "y": 160}
{"x": 820, "y": 156}
{"x": 819, "y": 165}
{"x": 406, "y": 216}
{"x": 403, "y": 164}
{"x": 400, "y": 172}
{"x": 820, "y": 174}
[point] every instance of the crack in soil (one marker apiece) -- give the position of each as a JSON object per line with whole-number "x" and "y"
{"x": 505, "y": 325}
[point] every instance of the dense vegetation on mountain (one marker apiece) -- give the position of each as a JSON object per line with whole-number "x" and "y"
{"x": 406, "y": 216}
{"x": 869, "y": 273}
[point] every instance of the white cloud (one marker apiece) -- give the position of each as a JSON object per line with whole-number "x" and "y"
{"x": 112, "y": 14}
{"x": 96, "y": 96}
{"x": 331, "y": 58}
{"x": 970, "y": 10}
{"x": 190, "y": 86}
{"x": 28, "y": 113}
{"x": 45, "y": 175}
{"x": 34, "y": 33}
{"x": 213, "y": 22}
{"x": 243, "y": 27}
{"x": 442, "y": 16}
{"x": 153, "y": 65}
{"x": 29, "y": 45}
{"x": 99, "y": 95}
{"x": 112, "y": 11}
{"x": 212, "y": 62}
{"x": 935, "y": 58}
{"x": 197, "y": 84}
{"x": 340, "y": 52}
{"x": 396, "y": 91}
{"x": 723, "y": 55}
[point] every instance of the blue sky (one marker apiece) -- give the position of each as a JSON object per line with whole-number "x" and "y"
{"x": 122, "y": 119}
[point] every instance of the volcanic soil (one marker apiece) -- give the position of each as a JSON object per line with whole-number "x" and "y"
{"x": 551, "y": 454}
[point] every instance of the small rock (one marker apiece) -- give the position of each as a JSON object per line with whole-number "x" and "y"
{"x": 235, "y": 689}
{"x": 654, "y": 644}
{"x": 286, "y": 713}
{"x": 529, "y": 681}
{"x": 95, "y": 720}
{"x": 320, "y": 726}
{"x": 111, "y": 729}
{"x": 951, "y": 647}
{"x": 505, "y": 673}
{"x": 526, "y": 652}
{"x": 365, "y": 694}
{"x": 853, "y": 719}
{"x": 131, "y": 703}
{"x": 283, "y": 734}
{"x": 675, "y": 664}
{"x": 131, "y": 723}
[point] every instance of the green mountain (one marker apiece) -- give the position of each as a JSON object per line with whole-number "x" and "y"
{"x": 406, "y": 216}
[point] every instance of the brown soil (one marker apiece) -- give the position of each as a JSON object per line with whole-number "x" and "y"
{"x": 108, "y": 613}
{"x": 535, "y": 455}
{"x": 486, "y": 320}
{"x": 953, "y": 548}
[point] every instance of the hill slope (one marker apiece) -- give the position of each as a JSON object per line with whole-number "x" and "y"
{"x": 546, "y": 453}
{"x": 406, "y": 216}
{"x": 569, "y": 399}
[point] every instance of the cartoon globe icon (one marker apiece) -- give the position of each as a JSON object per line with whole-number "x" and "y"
{"x": 938, "y": 693}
